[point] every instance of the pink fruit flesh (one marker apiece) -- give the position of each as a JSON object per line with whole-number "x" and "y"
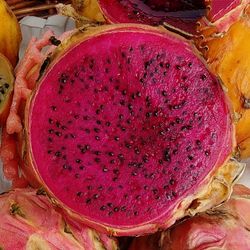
{"x": 180, "y": 14}
{"x": 219, "y": 8}
{"x": 126, "y": 124}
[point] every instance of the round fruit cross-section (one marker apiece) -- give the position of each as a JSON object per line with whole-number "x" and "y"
{"x": 125, "y": 124}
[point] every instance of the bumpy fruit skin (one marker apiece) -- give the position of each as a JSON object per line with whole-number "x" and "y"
{"x": 6, "y": 87}
{"x": 215, "y": 188}
{"x": 227, "y": 55}
{"x": 225, "y": 227}
{"x": 89, "y": 9}
{"x": 10, "y": 33}
{"x": 29, "y": 221}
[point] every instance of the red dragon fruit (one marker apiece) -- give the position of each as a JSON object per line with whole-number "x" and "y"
{"x": 29, "y": 221}
{"x": 225, "y": 227}
{"x": 127, "y": 129}
{"x": 179, "y": 14}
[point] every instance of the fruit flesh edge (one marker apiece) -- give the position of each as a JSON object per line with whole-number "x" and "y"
{"x": 224, "y": 227}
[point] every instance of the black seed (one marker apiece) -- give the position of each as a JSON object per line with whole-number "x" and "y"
{"x": 107, "y": 124}
{"x": 190, "y": 157}
{"x": 171, "y": 182}
{"x": 146, "y": 187}
{"x": 198, "y": 142}
{"x": 58, "y": 133}
{"x": 53, "y": 108}
{"x": 136, "y": 213}
{"x": 51, "y": 131}
{"x": 121, "y": 156}
{"x": 116, "y": 209}
{"x": 123, "y": 208}
{"x": 58, "y": 153}
{"x": 88, "y": 201}
{"x": 105, "y": 169}
{"x": 167, "y": 155}
{"x": 102, "y": 208}
{"x": 164, "y": 93}
{"x": 203, "y": 77}
{"x": 50, "y": 121}
{"x": 128, "y": 145}
{"x": 96, "y": 196}
{"x": 79, "y": 194}
{"x": 78, "y": 160}
{"x": 110, "y": 213}
{"x": 100, "y": 188}
{"x": 207, "y": 152}
{"x": 130, "y": 106}
{"x": 97, "y": 152}
{"x": 98, "y": 122}
{"x": 120, "y": 116}
{"x": 116, "y": 138}
{"x": 175, "y": 151}
{"x": 167, "y": 65}
{"x": 97, "y": 138}
{"x": 134, "y": 173}
{"x": 110, "y": 153}
{"x": 110, "y": 204}
{"x": 97, "y": 130}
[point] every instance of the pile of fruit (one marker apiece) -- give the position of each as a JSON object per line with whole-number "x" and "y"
{"x": 128, "y": 132}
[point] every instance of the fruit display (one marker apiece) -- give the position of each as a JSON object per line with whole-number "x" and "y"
{"x": 132, "y": 124}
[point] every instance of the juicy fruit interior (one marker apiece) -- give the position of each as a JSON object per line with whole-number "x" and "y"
{"x": 126, "y": 124}
{"x": 181, "y": 14}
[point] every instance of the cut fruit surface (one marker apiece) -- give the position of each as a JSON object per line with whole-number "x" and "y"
{"x": 127, "y": 123}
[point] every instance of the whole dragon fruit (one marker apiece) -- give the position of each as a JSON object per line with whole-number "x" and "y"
{"x": 225, "y": 47}
{"x": 126, "y": 129}
{"x": 225, "y": 227}
{"x": 29, "y": 221}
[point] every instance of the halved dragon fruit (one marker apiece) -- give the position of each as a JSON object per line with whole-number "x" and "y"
{"x": 29, "y": 221}
{"x": 179, "y": 14}
{"x": 128, "y": 130}
{"x": 225, "y": 227}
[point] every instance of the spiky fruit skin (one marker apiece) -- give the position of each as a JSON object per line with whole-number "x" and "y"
{"x": 212, "y": 190}
{"x": 10, "y": 34}
{"x": 29, "y": 221}
{"x": 226, "y": 56}
{"x": 225, "y": 227}
{"x": 6, "y": 87}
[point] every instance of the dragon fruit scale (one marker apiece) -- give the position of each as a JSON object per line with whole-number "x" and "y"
{"x": 223, "y": 228}
{"x": 225, "y": 49}
{"x": 127, "y": 130}
{"x": 29, "y": 221}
